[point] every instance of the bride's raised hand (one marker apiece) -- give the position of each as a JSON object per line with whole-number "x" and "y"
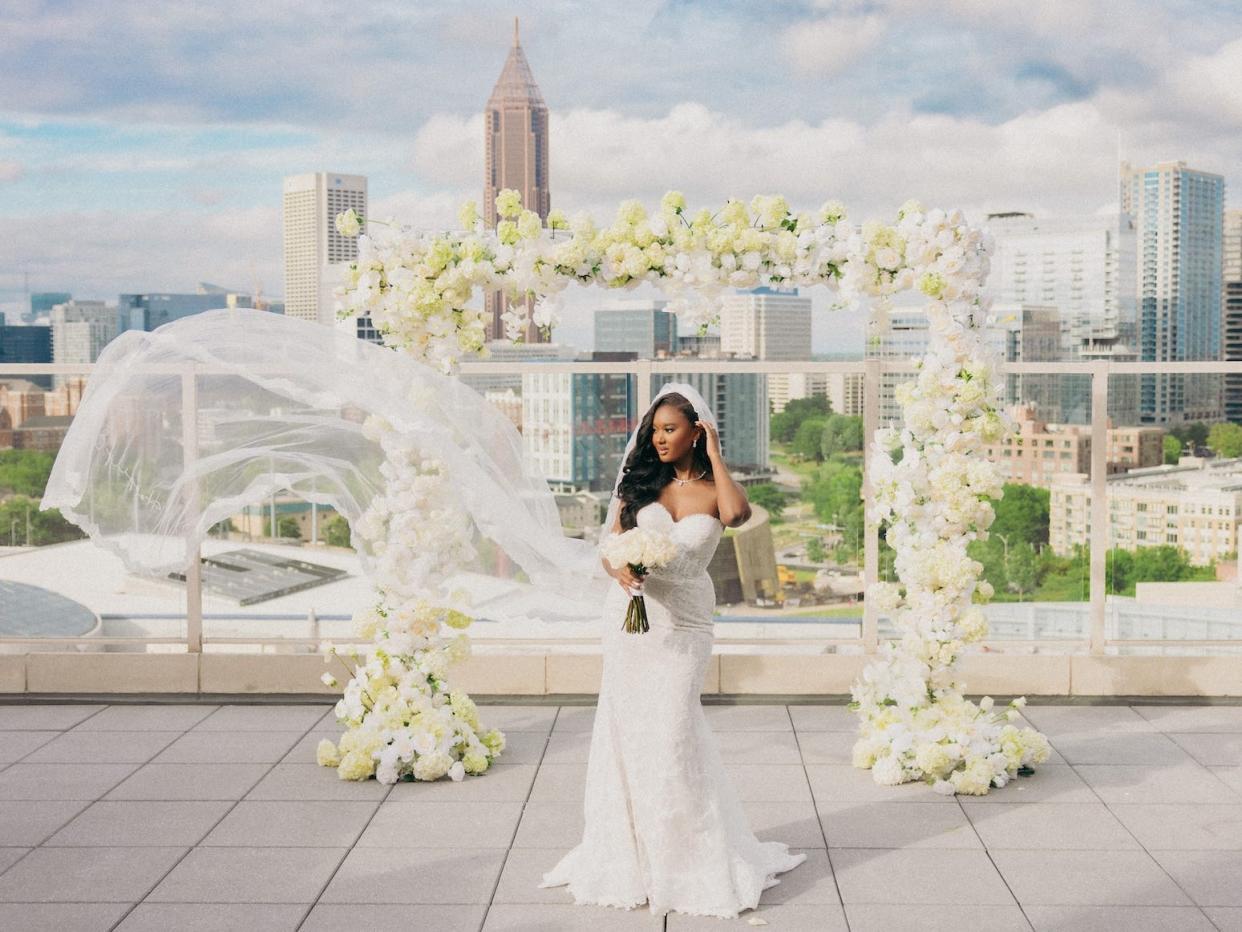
{"x": 711, "y": 440}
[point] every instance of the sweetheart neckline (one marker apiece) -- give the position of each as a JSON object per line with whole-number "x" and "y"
{"x": 692, "y": 514}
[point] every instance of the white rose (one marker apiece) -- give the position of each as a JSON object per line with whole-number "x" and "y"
{"x": 887, "y": 771}
{"x": 348, "y": 223}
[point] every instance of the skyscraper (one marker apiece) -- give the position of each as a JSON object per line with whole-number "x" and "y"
{"x": 42, "y": 302}
{"x": 80, "y": 331}
{"x": 636, "y": 326}
{"x": 25, "y": 344}
{"x": 575, "y": 424}
{"x": 149, "y": 311}
{"x": 1232, "y": 297}
{"x": 1082, "y": 269}
{"x": 516, "y": 156}
{"x": 313, "y": 250}
{"x": 766, "y": 323}
{"x": 1178, "y": 216}
{"x": 771, "y": 323}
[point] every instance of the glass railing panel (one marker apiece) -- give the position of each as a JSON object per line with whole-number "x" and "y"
{"x": 58, "y": 591}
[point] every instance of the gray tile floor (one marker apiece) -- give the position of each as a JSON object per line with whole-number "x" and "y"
{"x": 203, "y": 817}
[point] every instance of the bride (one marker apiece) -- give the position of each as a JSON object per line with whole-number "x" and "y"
{"x": 664, "y": 825}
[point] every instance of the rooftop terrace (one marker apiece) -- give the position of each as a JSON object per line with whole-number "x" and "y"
{"x": 137, "y": 816}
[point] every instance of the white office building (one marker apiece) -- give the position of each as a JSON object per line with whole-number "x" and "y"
{"x": 314, "y": 252}
{"x": 80, "y": 331}
{"x": 1083, "y": 266}
{"x": 766, "y": 324}
{"x": 769, "y": 323}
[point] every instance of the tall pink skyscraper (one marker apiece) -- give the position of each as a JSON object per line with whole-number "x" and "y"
{"x": 516, "y": 146}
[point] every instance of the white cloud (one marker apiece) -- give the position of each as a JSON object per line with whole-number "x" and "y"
{"x": 827, "y": 46}
{"x": 449, "y": 149}
{"x": 1212, "y": 84}
{"x": 10, "y": 170}
{"x": 100, "y": 254}
{"x": 600, "y": 157}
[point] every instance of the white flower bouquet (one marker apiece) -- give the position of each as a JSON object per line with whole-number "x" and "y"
{"x": 642, "y": 550}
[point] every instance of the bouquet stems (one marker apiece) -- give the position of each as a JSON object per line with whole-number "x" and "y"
{"x": 636, "y": 612}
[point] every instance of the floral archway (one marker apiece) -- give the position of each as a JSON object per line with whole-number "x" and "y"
{"x": 930, "y": 484}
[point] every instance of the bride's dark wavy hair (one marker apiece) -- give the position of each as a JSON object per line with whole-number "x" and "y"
{"x": 644, "y": 476}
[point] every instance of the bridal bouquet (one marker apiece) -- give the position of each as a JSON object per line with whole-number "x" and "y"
{"x": 642, "y": 550}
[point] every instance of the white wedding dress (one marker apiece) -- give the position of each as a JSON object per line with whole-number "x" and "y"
{"x": 664, "y": 825}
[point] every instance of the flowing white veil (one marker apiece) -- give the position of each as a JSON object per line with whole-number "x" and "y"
{"x": 279, "y": 404}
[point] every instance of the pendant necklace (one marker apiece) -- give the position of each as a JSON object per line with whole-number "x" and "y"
{"x": 681, "y": 481}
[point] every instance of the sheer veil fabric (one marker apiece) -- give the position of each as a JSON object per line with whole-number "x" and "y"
{"x": 279, "y": 404}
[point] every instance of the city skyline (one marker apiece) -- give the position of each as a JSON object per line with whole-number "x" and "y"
{"x": 117, "y": 184}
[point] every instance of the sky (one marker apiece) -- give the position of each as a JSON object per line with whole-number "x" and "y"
{"x": 142, "y": 146}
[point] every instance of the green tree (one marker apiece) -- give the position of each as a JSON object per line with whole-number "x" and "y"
{"x": 1226, "y": 440}
{"x": 1064, "y": 579}
{"x": 24, "y": 472}
{"x": 1172, "y": 449}
{"x": 1022, "y": 569}
{"x": 769, "y": 497}
{"x": 991, "y": 553}
{"x": 1195, "y": 434}
{"x": 286, "y": 528}
{"x": 336, "y": 532}
{"x": 842, "y": 434}
{"x": 807, "y": 442}
{"x": 783, "y": 427}
{"x": 19, "y": 515}
{"x": 1022, "y": 514}
{"x": 815, "y": 550}
{"x": 834, "y": 492}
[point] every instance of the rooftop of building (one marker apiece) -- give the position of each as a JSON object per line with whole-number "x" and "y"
{"x": 150, "y": 815}
{"x": 1191, "y": 474}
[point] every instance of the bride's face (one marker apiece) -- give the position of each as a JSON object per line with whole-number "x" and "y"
{"x": 672, "y": 434}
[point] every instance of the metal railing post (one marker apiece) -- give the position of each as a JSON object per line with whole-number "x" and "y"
{"x": 642, "y": 373}
{"x": 1099, "y": 503}
{"x": 871, "y": 530}
{"x": 193, "y": 569}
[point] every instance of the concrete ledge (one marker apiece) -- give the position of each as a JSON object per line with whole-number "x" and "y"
{"x": 12, "y": 673}
{"x": 581, "y": 673}
{"x": 267, "y": 673}
{"x": 100, "y": 672}
{"x": 534, "y": 674}
{"x": 1016, "y": 675}
{"x": 1156, "y": 676}
{"x": 804, "y": 674}
{"x": 509, "y": 674}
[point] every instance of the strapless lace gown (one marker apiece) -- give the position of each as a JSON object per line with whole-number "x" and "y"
{"x": 664, "y": 825}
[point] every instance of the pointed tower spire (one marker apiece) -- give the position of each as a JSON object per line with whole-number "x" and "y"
{"x": 516, "y": 83}
{"x": 516, "y": 154}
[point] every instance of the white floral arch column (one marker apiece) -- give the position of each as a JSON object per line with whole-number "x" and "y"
{"x": 931, "y": 485}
